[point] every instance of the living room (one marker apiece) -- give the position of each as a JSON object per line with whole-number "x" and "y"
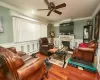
{"x": 22, "y": 24}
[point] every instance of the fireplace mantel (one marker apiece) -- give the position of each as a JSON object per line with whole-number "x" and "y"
{"x": 69, "y": 38}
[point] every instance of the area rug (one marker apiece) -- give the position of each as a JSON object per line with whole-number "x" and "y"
{"x": 59, "y": 62}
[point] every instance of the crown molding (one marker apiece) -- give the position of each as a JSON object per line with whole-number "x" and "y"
{"x": 35, "y": 17}
{"x": 16, "y": 14}
{"x": 85, "y": 18}
{"x": 56, "y": 24}
{"x": 68, "y": 20}
{"x": 96, "y": 11}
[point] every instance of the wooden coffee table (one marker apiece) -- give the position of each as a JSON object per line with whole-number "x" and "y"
{"x": 59, "y": 53}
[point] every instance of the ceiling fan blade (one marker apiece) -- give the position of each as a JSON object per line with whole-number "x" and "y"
{"x": 58, "y": 12}
{"x": 61, "y": 6}
{"x": 49, "y": 12}
{"x": 47, "y": 2}
{"x": 41, "y": 9}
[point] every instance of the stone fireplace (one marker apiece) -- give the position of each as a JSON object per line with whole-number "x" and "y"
{"x": 68, "y": 39}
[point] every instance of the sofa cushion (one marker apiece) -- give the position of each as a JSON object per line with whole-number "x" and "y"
{"x": 29, "y": 62}
{"x": 26, "y": 57}
{"x": 13, "y": 49}
{"x": 83, "y": 45}
{"x": 30, "y": 69}
{"x": 18, "y": 61}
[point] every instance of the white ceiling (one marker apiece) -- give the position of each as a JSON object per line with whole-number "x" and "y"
{"x": 74, "y": 8}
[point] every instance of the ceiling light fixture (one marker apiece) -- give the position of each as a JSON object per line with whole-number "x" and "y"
{"x": 33, "y": 12}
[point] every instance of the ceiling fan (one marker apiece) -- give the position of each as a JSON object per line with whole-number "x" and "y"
{"x": 52, "y": 7}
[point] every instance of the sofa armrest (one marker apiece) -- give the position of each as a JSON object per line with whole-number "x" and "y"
{"x": 74, "y": 52}
{"x": 86, "y": 49}
{"x": 30, "y": 69}
{"x": 21, "y": 53}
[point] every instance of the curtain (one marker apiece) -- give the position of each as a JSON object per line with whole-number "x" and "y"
{"x": 25, "y": 30}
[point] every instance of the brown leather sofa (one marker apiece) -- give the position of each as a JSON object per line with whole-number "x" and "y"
{"x": 22, "y": 54}
{"x": 86, "y": 53}
{"x": 13, "y": 49}
{"x": 45, "y": 45}
{"x": 14, "y": 68}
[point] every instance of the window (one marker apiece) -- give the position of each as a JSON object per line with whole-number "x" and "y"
{"x": 25, "y": 30}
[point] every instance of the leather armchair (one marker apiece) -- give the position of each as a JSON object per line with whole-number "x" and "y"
{"x": 86, "y": 53}
{"x": 17, "y": 69}
{"x": 45, "y": 45}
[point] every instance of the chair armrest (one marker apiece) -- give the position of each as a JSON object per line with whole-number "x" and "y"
{"x": 51, "y": 44}
{"x": 30, "y": 69}
{"x": 86, "y": 49}
{"x": 75, "y": 50}
{"x": 44, "y": 45}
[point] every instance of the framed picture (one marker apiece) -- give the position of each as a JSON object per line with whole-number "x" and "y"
{"x": 86, "y": 34}
{"x": 97, "y": 24}
{"x": 1, "y": 25}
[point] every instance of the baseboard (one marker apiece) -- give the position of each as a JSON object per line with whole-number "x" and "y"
{"x": 70, "y": 52}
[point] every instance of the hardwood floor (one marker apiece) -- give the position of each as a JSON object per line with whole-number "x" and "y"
{"x": 68, "y": 73}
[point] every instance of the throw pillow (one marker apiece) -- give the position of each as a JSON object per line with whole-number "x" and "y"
{"x": 83, "y": 45}
{"x": 13, "y": 49}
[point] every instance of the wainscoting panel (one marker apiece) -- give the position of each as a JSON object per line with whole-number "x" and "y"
{"x": 33, "y": 46}
{"x": 29, "y": 47}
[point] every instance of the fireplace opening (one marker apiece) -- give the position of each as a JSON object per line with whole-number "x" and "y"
{"x": 66, "y": 44}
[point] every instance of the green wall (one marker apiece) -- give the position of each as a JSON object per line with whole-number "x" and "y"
{"x": 56, "y": 29}
{"x": 7, "y": 35}
{"x": 49, "y": 28}
{"x": 78, "y": 28}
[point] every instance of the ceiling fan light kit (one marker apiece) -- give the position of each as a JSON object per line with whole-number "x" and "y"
{"x": 52, "y": 7}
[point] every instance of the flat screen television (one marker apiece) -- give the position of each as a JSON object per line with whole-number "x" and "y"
{"x": 67, "y": 28}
